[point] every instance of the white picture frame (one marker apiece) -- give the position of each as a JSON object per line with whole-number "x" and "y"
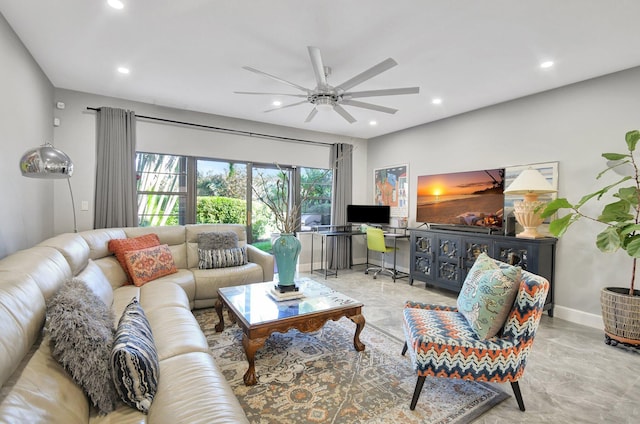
{"x": 391, "y": 188}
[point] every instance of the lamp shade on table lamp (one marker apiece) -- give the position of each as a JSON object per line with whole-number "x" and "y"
{"x": 530, "y": 184}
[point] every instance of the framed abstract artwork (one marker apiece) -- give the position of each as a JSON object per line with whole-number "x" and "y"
{"x": 391, "y": 188}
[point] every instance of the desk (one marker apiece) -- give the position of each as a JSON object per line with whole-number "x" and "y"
{"x": 331, "y": 233}
{"x": 327, "y": 233}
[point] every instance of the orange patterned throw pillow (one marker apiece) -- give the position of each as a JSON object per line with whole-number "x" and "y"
{"x": 148, "y": 264}
{"x": 121, "y": 246}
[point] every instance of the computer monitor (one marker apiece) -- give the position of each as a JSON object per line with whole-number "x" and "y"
{"x": 368, "y": 214}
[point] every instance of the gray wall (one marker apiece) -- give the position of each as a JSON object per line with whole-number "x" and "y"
{"x": 26, "y": 121}
{"x": 572, "y": 125}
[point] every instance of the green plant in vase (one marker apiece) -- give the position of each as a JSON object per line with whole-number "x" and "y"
{"x": 621, "y": 230}
{"x": 274, "y": 193}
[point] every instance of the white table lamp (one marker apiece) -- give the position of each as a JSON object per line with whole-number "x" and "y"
{"x": 529, "y": 183}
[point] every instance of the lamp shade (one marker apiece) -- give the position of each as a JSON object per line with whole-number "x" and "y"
{"x": 46, "y": 162}
{"x": 530, "y": 181}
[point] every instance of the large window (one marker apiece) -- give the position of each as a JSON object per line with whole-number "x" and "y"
{"x": 162, "y": 189}
{"x": 315, "y": 189}
{"x": 221, "y": 192}
{"x": 177, "y": 190}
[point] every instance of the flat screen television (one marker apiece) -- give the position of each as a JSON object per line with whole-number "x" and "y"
{"x": 473, "y": 198}
{"x": 368, "y": 214}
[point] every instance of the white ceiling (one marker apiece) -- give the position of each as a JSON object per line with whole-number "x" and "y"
{"x": 188, "y": 54}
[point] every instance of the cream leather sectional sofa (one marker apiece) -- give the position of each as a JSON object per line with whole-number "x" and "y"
{"x": 191, "y": 389}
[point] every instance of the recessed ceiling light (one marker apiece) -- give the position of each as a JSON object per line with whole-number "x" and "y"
{"x": 373, "y": 123}
{"x": 277, "y": 103}
{"x": 116, "y": 4}
{"x": 436, "y": 101}
{"x": 123, "y": 70}
{"x": 547, "y": 64}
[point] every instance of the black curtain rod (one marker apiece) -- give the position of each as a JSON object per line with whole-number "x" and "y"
{"x": 227, "y": 130}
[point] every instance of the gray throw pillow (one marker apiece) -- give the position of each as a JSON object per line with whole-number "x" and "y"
{"x": 134, "y": 360}
{"x": 222, "y": 258}
{"x": 217, "y": 240}
{"x": 80, "y": 327}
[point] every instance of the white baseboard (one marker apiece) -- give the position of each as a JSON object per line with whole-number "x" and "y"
{"x": 578, "y": 317}
{"x": 562, "y": 312}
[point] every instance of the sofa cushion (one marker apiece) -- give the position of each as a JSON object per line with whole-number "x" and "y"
{"x": 80, "y": 327}
{"x": 487, "y": 295}
{"x": 134, "y": 360}
{"x": 145, "y": 265}
{"x": 42, "y": 391}
{"x": 208, "y": 396}
{"x": 121, "y": 246}
{"x": 222, "y": 258}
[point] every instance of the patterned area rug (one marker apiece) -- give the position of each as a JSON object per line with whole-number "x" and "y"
{"x": 320, "y": 378}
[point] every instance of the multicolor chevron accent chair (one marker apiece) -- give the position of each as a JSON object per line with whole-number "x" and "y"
{"x": 442, "y": 343}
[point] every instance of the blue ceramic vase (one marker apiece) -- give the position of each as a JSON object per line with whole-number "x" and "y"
{"x": 286, "y": 250}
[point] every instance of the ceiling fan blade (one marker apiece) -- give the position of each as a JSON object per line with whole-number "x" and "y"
{"x": 299, "y": 87}
{"x": 346, "y": 115}
{"x": 387, "y": 92}
{"x": 270, "y": 94}
{"x": 369, "y": 106}
{"x": 368, "y": 74}
{"x": 285, "y": 106}
{"x": 318, "y": 66}
{"x": 311, "y": 115}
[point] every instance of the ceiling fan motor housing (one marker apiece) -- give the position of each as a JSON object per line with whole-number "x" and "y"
{"x": 324, "y": 101}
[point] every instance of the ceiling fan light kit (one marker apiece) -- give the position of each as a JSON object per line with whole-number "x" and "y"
{"x": 327, "y": 97}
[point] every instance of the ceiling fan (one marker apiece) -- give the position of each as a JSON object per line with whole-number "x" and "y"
{"x": 327, "y": 97}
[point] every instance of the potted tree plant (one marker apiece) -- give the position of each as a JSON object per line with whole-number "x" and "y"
{"x": 274, "y": 193}
{"x": 621, "y": 221}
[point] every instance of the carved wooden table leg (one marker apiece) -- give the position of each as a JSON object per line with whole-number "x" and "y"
{"x": 250, "y": 348}
{"x": 359, "y": 321}
{"x": 220, "y": 325}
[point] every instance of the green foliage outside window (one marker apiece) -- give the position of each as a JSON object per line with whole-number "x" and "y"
{"x": 220, "y": 210}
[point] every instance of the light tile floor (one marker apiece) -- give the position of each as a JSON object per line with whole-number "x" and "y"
{"x": 572, "y": 375}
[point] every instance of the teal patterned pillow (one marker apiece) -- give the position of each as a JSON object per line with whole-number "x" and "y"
{"x": 488, "y": 294}
{"x": 222, "y": 258}
{"x": 134, "y": 359}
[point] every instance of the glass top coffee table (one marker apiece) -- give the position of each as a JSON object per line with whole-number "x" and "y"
{"x": 259, "y": 314}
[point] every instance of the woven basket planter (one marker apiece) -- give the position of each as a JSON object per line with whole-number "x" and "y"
{"x": 621, "y": 314}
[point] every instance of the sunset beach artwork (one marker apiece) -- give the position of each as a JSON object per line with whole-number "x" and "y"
{"x": 462, "y": 198}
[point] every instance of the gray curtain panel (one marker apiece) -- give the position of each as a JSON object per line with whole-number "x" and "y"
{"x": 116, "y": 201}
{"x": 342, "y": 158}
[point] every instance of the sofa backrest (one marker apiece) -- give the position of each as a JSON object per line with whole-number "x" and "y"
{"x": 74, "y": 249}
{"x": 28, "y": 278}
{"x": 46, "y": 265}
{"x": 173, "y": 235}
{"x": 182, "y": 241}
{"x": 22, "y": 314}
